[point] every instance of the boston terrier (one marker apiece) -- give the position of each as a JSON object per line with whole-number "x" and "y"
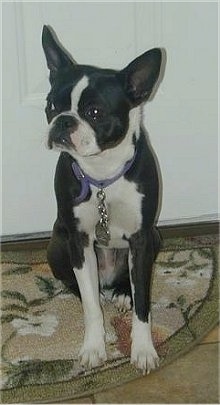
{"x": 104, "y": 240}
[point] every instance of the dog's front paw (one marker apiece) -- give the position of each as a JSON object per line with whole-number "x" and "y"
{"x": 92, "y": 353}
{"x": 144, "y": 357}
{"x": 143, "y": 354}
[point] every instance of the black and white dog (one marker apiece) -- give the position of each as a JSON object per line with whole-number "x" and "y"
{"x": 104, "y": 240}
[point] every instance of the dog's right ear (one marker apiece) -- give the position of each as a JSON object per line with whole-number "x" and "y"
{"x": 57, "y": 58}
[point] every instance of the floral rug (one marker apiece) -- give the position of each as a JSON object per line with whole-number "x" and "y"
{"x": 42, "y": 322}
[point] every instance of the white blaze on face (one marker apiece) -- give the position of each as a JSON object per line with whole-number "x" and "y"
{"x": 77, "y": 92}
{"x": 83, "y": 138}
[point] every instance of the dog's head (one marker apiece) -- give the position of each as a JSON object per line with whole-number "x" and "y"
{"x": 88, "y": 108}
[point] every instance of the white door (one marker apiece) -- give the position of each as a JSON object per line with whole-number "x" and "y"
{"x": 28, "y": 167}
{"x": 111, "y": 35}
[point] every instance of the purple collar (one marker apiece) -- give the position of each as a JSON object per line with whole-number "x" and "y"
{"x": 86, "y": 180}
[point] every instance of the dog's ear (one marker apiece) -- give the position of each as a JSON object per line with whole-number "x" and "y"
{"x": 140, "y": 76}
{"x": 57, "y": 58}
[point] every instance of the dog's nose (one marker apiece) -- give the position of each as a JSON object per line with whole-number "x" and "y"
{"x": 66, "y": 122}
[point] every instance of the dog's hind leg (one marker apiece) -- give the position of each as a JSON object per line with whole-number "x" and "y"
{"x": 59, "y": 261}
{"x": 122, "y": 296}
{"x": 157, "y": 241}
{"x": 114, "y": 277}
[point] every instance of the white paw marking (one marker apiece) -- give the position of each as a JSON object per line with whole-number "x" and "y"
{"x": 92, "y": 353}
{"x": 143, "y": 353}
{"x": 122, "y": 302}
{"x": 144, "y": 358}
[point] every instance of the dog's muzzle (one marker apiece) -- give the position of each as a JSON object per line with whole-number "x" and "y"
{"x": 62, "y": 126}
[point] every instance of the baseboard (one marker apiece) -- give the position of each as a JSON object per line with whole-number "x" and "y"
{"x": 189, "y": 229}
{"x": 40, "y": 240}
{"x": 201, "y": 219}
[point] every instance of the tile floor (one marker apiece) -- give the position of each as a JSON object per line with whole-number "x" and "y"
{"x": 191, "y": 379}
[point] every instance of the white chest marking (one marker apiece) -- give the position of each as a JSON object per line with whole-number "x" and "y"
{"x": 124, "y": 211}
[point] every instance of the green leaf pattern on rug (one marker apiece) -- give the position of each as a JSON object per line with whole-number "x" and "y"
{"x": 46, "y": 285}
{"x": 21, "y": 313}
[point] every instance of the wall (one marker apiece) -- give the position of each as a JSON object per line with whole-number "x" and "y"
{"x": 181, "y": 120}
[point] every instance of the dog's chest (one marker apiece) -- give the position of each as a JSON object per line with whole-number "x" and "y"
{"x": 123, "y": 203}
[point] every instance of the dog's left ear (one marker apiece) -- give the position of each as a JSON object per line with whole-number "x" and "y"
{"x": 140, "y": 76}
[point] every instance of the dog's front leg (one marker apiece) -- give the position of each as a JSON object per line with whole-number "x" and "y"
{"x": 93, "y": 351}
{"x": 141, "y": 257}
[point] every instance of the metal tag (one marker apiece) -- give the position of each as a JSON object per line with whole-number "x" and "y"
{"x": 102, "y": 234}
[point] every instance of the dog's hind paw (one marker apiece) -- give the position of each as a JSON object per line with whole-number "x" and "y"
{"x": 122, "y": 302}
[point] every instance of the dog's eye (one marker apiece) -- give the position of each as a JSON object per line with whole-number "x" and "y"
{"x": 95, "y": 113}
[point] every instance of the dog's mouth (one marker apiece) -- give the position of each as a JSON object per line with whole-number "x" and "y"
{"x": 62, "y": 143}
{"x": 65, "y": 142}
